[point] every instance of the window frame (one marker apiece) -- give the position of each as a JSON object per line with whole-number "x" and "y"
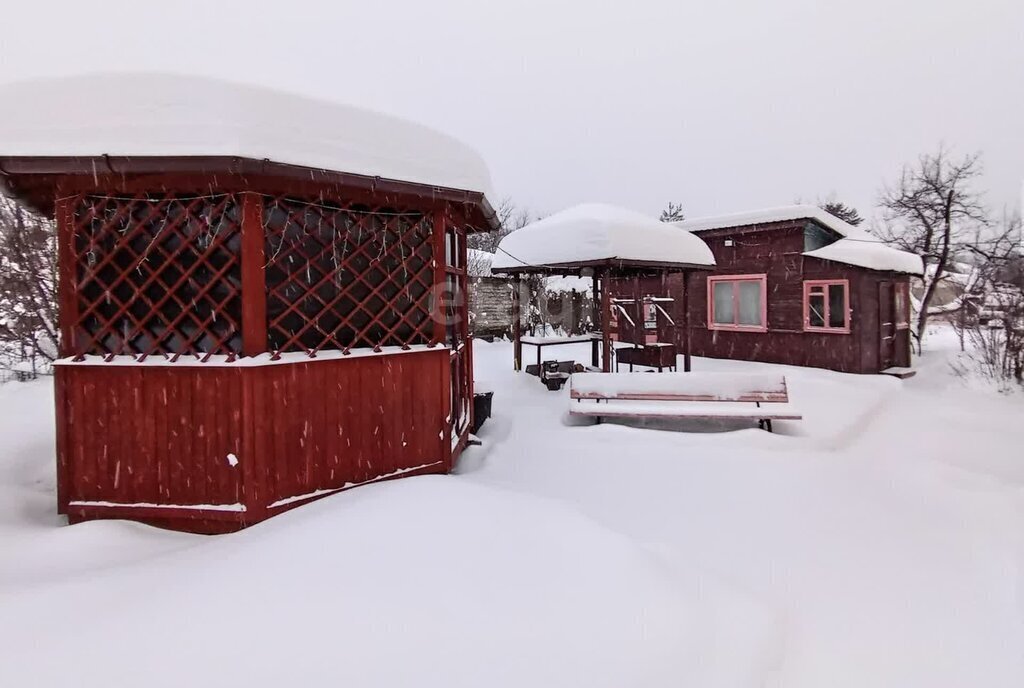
{"x": 826, "y": 328}
{"x": 761, "y": 278}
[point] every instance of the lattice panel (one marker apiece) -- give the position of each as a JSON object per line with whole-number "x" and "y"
{"x": 157, "y": 275}
{"x": 346, "y": 277}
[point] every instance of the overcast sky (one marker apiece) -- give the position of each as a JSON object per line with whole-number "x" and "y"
{"x": 723, "y": 106}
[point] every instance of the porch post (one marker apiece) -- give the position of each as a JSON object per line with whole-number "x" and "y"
{"x": 606, "y": 320}
{"x": 595, "y": 312}
{"x": 686, "y": 321}
{"x": 517, "y": 344}
{"x": 639, "y": 333}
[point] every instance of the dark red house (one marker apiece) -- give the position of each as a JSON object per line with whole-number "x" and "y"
{"x": 795, "y": 285}
{"x": 261, "y": 296}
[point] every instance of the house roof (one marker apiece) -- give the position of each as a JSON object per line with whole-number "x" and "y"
{"x": 599, "y": 234}
{"x": 856, "y": 247}
{"x": 165, "y": 115}
{"x": 769, "y": 215}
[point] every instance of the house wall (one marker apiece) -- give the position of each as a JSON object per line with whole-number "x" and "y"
{"x": 490, "y": 306}
{"x": 776, "y": 251}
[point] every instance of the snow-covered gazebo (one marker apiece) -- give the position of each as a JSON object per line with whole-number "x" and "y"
{"x": 605, "y": 243}
{"x": 262, "y": 296}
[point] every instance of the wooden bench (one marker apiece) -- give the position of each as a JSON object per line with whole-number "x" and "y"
{"x": 733, "y": 396}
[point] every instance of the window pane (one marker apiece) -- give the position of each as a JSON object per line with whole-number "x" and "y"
{"x": 816, "y": 310}
{"x": 723, "y": 303}
{"x": 750, "y": 303}
{"x": 836, "y": 305}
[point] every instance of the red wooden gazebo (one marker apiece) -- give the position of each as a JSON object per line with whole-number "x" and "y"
{"x": 262, "y": 297}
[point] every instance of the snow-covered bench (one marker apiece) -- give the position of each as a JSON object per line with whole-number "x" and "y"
{"x": 760, "y": 397}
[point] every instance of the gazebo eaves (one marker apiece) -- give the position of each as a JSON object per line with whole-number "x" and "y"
{"x": 14, "y": 166}
{"x": 605, "y": 264}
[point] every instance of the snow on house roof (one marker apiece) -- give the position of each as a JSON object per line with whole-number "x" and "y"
{"x": 595, "y": 232}
{"x": 143, "y": 114}
{"x": 871, "y": 254}
{"x": 767, "y": 215}
{"x": 857, "y": 247}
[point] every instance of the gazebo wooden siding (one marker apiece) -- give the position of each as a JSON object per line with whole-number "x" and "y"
{"x": 244, "y": 338}
{"x": 158, "y": 436}
{"x": 776, "y": 251}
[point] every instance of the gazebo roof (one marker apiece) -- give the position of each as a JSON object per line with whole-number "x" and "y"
{"x": 122, "y": 122}
{"x": 599, "y": 235}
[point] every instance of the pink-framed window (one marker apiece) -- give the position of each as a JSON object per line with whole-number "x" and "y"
{"x": 827, "y": 306}
{"x": 901, "y": 291}
{"x": 738, "y": 302}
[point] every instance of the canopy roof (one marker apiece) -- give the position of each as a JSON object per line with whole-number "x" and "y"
{"x": 856, "y": 247}
{"x": 163, "y": 115}
{"x": 595, "y": 235}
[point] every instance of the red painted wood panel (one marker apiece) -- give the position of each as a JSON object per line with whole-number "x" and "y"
{"x": 161, "y": 435}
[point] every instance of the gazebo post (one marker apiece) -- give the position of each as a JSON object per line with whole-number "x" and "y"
{"x": 606, "y": 321}
{"x": 639, "y": 334}
{"x": 517, "y": 344}
{"x": 596, "y": 313}
{"x": 686, "y": 321}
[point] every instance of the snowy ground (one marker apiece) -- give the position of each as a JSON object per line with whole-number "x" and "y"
{"x": 879, "y": 542}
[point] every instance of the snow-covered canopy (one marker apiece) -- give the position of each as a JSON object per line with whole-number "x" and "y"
{"x": 857, "y": 247}
{"x": 595, "y": 233}
{"x": 145, "y": 114}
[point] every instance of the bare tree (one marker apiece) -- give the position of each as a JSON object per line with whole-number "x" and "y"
{"x": 28, "y": 299}
{"x": 511, "y": 217}
{"x": 930, "y": 210}
{"x": 844, "y": 212}
{"x": 673, "y": 212}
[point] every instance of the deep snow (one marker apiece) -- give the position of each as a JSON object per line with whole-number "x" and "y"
{"x": 878, "y": 542}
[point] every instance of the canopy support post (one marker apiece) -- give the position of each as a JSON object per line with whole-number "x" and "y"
{"x": 686, "y": 321}
{"x": 639, "y": 334}
{"x": 595, "y": 312}
{"x": 606, "y": 321}
{"x": 517, "y": 330}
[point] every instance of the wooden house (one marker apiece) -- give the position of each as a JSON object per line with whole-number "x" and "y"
{"x": 795, "y": 285}
{"x": 262, "y": 296}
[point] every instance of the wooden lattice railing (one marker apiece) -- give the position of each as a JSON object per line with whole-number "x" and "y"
{"x": 345, "y": 277}
{"x": 155, "y": 275}
{"x": 163, "y": 275}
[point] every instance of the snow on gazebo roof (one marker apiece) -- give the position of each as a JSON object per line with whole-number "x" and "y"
{"x": 164, "y": 115}
{"x": 857, "y": 247}
{"x": 594, "y": 234}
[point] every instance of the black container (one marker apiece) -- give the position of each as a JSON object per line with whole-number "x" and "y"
{"x": 481, "y": 409}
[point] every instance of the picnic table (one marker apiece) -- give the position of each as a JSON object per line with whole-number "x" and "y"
{"x": 540, "y": 342}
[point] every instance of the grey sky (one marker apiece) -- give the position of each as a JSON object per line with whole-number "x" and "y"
{"x": 722, "y": 106}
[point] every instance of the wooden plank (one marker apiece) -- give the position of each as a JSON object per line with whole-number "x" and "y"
{"x": 606, "y": 319}
{"x": 254, "y": 290}
{"x": 67, "y": 298}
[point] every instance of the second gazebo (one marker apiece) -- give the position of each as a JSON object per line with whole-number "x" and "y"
{"x": 619, "y": 249}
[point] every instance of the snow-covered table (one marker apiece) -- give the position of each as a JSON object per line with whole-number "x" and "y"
{"x": 540, "y": 342}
